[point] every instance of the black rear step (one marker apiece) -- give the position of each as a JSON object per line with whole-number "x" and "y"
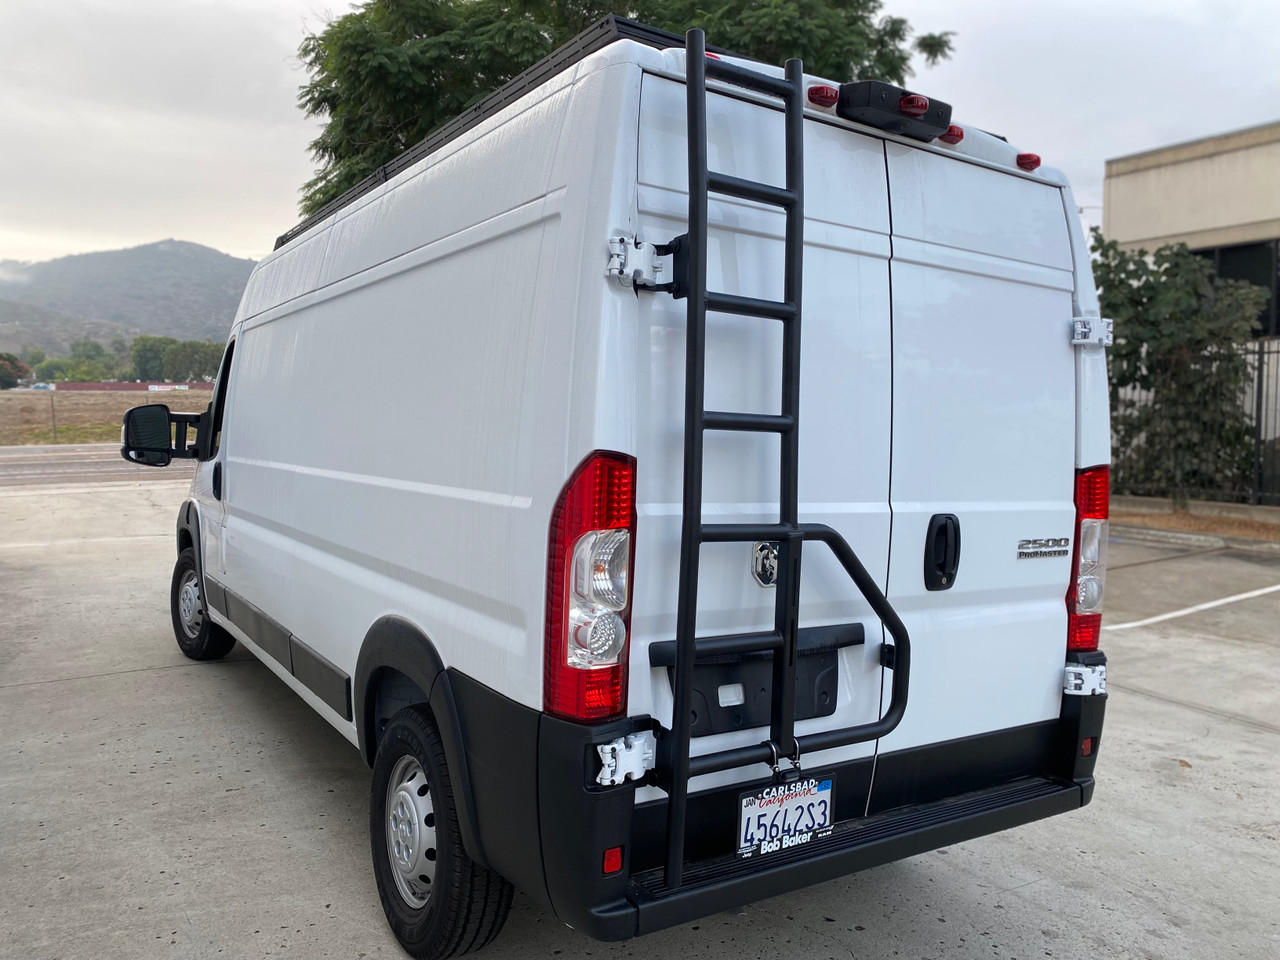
{"x": 675, "y": 766}
{"x": 726, "y": 882}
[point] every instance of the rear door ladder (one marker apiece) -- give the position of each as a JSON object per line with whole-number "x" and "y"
{"x": 675, "y": 767}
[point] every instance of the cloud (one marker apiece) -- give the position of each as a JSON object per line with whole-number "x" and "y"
{"x": 127, "y": 122}
{"x": 1082, "y": 81}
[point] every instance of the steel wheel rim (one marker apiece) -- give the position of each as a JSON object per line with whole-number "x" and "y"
{"x": 411, "y": 831}
{"x": 190, "y": 609}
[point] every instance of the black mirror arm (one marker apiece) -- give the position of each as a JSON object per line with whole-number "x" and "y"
{"x": 184, "y": 420}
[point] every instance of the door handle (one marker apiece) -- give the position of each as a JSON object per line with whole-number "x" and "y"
{"x": 217, "y": 480}
{"x": 941, "y": 551}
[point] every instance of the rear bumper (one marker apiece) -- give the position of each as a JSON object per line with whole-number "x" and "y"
{"x": 922, "y": 799}
{"x": 855, "y": 845}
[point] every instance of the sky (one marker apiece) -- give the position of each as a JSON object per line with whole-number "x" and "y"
{"x": 123, "y": 122}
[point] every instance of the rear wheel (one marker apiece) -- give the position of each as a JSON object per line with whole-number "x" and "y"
{"x": 198, "y": 636}
{"x": 438, "y": 901}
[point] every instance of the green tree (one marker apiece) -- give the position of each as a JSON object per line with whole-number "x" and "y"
{"x": 391, "y": 71}
{"x": 192, "y": 360}
{"x": 1179, "y": 371}
{"x": 55, "y": 368}
{"x": 89, "y": 351}
{"x": 11, "y": 371}
{"x": 32, "y": 356}
{"x": 148, "y": 356}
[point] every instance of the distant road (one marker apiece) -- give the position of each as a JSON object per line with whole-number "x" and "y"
{"x": 79, "y": 463}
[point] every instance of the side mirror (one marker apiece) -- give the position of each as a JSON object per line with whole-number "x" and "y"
{"x": 149, "y": 438}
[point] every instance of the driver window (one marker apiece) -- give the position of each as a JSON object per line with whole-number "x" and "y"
{"x": 220, "y": 399}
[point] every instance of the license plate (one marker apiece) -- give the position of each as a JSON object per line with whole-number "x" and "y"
{"x": 783, "y": 816}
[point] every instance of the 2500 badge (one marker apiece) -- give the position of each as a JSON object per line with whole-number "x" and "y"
{"x": 1052, "y": 547}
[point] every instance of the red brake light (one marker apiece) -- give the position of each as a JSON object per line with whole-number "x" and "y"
{"x": 1028, "y": 161}
{"x": 913, "y": 105}
{"x": 588, "y": 621}
{"x": 1088, "y": 558}
{"x": 823, "y": 95}
{"x": 1093, "y": 493}
{"x": 954, "y": 134}
{"x": 714, "y": 56}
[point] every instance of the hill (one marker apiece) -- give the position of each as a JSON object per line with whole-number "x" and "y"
{"x": 171, "y": 288}
{"x": 25, "y": 325}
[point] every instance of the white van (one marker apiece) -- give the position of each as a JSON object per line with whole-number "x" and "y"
{"x": 515, "y": 449}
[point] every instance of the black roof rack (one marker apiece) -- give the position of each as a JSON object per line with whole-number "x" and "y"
{"x": 594, "y": 38}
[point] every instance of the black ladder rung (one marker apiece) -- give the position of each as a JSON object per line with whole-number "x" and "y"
{"x": 744, "y": 532}
{"x": 750, "y": 79}
{"x": 728, "y": 759}
{"x": 663, "y": 653}
{"x": 751, "y": 190}
{"x": 756, "y": 422}
{"x": 750, "y": 306}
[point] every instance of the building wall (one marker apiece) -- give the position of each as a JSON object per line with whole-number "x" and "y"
{"x": 1215, "y": 192}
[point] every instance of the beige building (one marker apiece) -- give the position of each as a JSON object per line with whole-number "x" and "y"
{"x": 1220, "y": 196}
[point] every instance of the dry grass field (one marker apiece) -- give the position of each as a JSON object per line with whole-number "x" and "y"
{"x": 27, "y": 416}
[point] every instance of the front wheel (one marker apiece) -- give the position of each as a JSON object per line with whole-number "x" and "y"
{"x": 198, "y": 636}
{"x": 438, "y": 901}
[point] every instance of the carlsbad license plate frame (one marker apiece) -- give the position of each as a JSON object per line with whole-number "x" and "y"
{"x": 782, "y": 816}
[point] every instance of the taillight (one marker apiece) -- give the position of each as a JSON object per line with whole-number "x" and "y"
{"x": 1088, "y": 559}
{"x": 823, "y": 95}
{"x": 1028, "y": 161}
{"x": 954, "y": 134}
{"x": 589, "y": 558}
{"x": 913, "y": 105}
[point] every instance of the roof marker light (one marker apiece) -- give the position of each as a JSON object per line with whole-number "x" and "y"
{"x": 954, "y": 134}
{"x": 823, "y": 95}
{"x": 913, "y": 105}
{"x": 1028, "y": 161}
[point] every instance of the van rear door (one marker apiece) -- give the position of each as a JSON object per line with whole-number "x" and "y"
{"x": 984, "y": 432}
{"x": 844, "y": 422}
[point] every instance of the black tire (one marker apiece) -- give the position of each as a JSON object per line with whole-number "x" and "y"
{"x": 198, "y": 636}
{"x": 465, "y": 904}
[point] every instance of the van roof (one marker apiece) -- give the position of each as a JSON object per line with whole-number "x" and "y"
{"x": 594, "y": 38}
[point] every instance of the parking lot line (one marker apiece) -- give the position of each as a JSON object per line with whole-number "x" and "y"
{"x": 1185, "y": 611}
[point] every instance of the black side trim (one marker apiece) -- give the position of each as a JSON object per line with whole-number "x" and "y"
{"x": 261, "y": 629}
{"x": 594, "y": 38}
{"x": 320, "y": 676}
{"x": 215, "y": 597}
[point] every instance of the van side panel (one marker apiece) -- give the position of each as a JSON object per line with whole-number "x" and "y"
{"x": 375, "y": 422}
{"x": 984, "y": 429}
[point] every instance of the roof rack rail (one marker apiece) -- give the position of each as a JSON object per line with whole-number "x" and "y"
{"x": 594, "y": 38}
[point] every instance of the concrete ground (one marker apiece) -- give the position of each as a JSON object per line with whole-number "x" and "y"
{"x": 155, "y": 807}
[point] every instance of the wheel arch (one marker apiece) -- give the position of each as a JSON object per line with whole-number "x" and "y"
{"x": 188, "y": 534}
{"x": 397, "y": 667}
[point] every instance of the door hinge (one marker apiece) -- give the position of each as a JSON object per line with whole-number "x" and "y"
{"x": 1091, "y": 332}
{"x": 640, "y": 265}
{"x": 1083, "y": 681}
{"x": 627, "y": 758}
